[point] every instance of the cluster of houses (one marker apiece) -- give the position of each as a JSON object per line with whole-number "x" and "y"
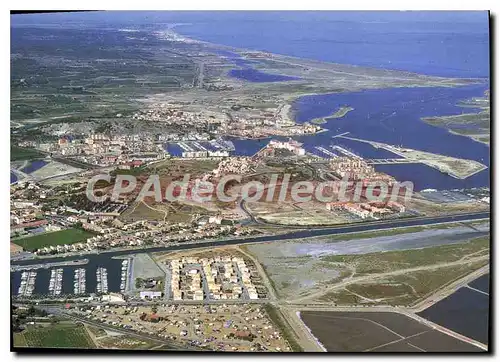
{"x": 366, "y": 210}
{"x": 221, "y": 277}
{"x": 146, "y": 233}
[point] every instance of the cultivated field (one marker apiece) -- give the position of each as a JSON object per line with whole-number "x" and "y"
{"x": 58, "y": 336}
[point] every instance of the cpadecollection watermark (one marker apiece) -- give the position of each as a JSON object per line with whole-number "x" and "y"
{"x": 230, "y": 188}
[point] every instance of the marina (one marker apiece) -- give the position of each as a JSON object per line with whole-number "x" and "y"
{"x": 346, "y": 152}
{"x": 79, "y": 284}
{"x": 436, "y": 161}
{"x": 102, "y": 280}
{"x": 326, "y": 152}
{"x": 27, "y": 283}
{"x": 215, "y": 147}
{"x": 55, "y": 284}
{"x": 118, "y": 270}
{"x": 124, "y": 274}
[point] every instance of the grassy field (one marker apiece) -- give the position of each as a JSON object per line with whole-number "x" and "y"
{"x": 176, "y": 212}
{"x": 18, "y": 153}
{"x": 181, "y": 166}
{"x": 141, "y": 212}
{"x": 404, "y": 259}
{"x": 299, "y": 268}
{"x": 59, "y": 336}
{"x": 340, "y": 297}
{"x": 404, "y": 290}
{"x": 68, "y": 236}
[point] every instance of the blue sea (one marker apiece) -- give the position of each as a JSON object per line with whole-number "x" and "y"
{"x": 452, "y": 44}
{"x": 448, "y": 44}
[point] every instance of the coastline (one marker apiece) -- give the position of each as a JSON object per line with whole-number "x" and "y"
{"x": 183, "y": 37}
{"x": 291, "y": 98}
{"x": 339, "y": 113}
{"x": 480, "y": 120}
{"x": 474, "y": 137}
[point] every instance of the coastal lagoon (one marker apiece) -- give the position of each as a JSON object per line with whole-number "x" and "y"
{"x": 394, "y": 116}
{"x": 418, "y": 42}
